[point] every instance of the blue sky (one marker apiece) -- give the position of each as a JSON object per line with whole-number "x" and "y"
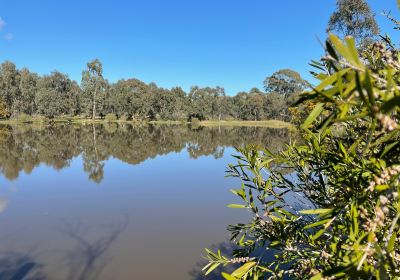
{"x": 231, "y": 43}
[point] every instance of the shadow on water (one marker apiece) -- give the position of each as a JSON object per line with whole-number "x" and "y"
{"x": 16, "y": 266}
{"x": 24, "y": 147}
{"x": 89, "y": 257}
{"x": 85, "y": 261}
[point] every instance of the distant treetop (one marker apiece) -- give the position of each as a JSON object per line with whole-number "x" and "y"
{"x": 354, "y": 18}
{"x": 285, "y": 82}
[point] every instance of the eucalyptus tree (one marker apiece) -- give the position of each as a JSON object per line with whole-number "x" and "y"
{"x": 204, "y": 102}
{"x": 25, "y": 101}
{"x": 354, "y": 18}
{"x": 56, "y": 95}
{"x": 275, "y": 106}
{"x": 92, "y": 84}
{"x": 125, "y": 96}
{"x": 9, "y": 84}
{"x": 285, "y": 82}
{"x": 180, "y": 106}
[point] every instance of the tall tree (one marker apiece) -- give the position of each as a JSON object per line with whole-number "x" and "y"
{"x": 354, "y": 18}
{"x": 93, "y": 82}
{"x": 9, "y": 84}
{"x": 25, "y": 102}
{"x": 285, "y": 82}
{"x": 56, "y": 95}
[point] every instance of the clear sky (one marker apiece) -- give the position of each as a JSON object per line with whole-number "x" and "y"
{"x": 231, "y": 43}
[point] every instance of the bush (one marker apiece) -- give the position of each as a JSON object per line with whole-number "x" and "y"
{"x": 337, "y": 215}
{"x": 110, "y": 118}
{"x": 195, "y": 121}
{"x": 23, "y": 118}
{"x": 39, "y": 119}
{"x": 124, "y": 118}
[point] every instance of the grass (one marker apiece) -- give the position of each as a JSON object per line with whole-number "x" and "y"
{"x": 267, "y": 123}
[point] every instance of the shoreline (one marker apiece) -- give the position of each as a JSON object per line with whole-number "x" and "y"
{"x": 208, "y": 123}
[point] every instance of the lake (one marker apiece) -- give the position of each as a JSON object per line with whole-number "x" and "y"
{"x": 117, "y": 201}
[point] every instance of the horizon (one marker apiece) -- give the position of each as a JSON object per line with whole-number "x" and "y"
{"x": 231, "y": 45}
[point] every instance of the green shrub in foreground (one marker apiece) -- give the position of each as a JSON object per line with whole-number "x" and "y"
{"x": 337, "y": 215}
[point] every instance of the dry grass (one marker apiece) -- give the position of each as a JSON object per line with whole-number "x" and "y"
{"x": 268, "y": 123}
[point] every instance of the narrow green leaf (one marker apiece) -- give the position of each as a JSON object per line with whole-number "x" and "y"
{"x": 318, "y": 234}
{"x": 389, "y": 105}
{"x": 238, "y": 273}
{"x": 343, "y": 50}
{"x": 214, "y": 266}
{"x": 330, "y": 80}
{"x": 237, "y": 206}
{"x": 351, "y": 43}
{"x": 316, "y": 211}
{"x": 388, "y": 148}
{"x": 317, "y": 277}
{"x": 391, "y": 243}
{"x": 322, "y": 222}
{"x": 313, "y": 115}
{"x": 228, "y": 277}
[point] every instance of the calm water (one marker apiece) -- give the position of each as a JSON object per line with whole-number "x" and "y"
{"x": 116, "y": 202}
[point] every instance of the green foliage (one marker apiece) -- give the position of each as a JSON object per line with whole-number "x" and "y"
{"x": 124, "y": 118}
{"x": 285, "y": 82}
{"x": 39, "y": 119}
{"x": 3, "y": 110}
{"x": 195, "y": 121}
{"x": 23, "y": 118}
{"x": 93, "y": 85}
{"x": 110, "y": 118}
{"x": 56, "y": 95}
{"x": 354, "y": 18}
{"x": 334, "y": 213}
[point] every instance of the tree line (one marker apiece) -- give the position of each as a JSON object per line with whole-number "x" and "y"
{"x": 23, "y": 92}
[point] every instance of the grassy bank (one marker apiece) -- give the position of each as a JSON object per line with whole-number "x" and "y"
{"x": 267, "y": 123}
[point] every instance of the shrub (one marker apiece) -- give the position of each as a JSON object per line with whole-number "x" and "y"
{"x": 124, "y": 118}
{"x": 110, "y": 118}
{"x": 39, "y": 119}
{"x": 23, "y": 118}
{"x": 195, "y": 121}
{"x": 337, "y": 215}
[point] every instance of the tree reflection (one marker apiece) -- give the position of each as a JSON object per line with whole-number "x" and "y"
{"x": 88, "y": 259}
{"x": 84, "y": 261}
{"x": 24, "y": 147}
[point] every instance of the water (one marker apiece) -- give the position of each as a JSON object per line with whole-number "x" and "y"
{"x": 117, "y": 201}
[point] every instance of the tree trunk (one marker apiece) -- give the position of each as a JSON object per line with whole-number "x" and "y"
{"x": 94, "y": 104}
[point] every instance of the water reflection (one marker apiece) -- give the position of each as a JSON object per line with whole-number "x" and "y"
{"x": 23, "y": 147}
{"x": 89, "y": 257}
{"x": 85, "y": 260}
{"x": 52, "y": 226}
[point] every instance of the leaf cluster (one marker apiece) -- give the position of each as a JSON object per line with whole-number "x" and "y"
{"x": 335, "y": 214}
